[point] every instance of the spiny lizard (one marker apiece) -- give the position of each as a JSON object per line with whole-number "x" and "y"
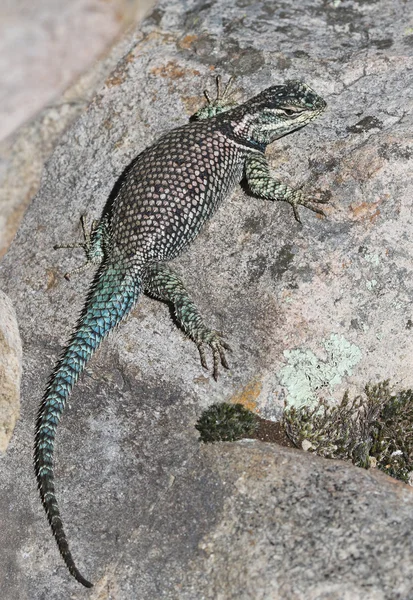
{"x": 159, "y": 205}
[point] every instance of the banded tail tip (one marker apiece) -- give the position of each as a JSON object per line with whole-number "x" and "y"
{"x": 73, "y": 570}
{"x": 80, "y": 578}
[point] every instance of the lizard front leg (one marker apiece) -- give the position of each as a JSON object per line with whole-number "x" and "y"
{"x": 160, "y": 281}
{"x": 221, "y": 103}
{"x": 262, "y": 184}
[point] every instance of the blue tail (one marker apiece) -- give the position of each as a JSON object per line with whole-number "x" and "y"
{"x": 112, "y": 297}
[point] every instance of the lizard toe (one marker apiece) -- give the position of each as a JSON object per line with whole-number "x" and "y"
{"x": 218, "y": 347}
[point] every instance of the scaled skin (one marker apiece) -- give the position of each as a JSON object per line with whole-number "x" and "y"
{"x": 157, "y": 208}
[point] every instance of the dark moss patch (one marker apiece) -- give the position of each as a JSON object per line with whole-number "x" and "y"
{"x": 226, "y": 422}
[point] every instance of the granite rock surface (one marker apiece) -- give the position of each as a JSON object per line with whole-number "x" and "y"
{"x": 309, "y": 311}
{"x": 10, "y": 370}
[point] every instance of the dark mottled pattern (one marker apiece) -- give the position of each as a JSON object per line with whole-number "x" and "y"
{"x": 159, "y": 206}
{"x": 172, "y": 189}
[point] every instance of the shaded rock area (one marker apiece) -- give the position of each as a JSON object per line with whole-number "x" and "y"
{"x": 37, "y": 62}
{"x": 45, "y": 45}
{"x": 309, "y": 311}
{"x": 23, "y": 154}
{"x": 290, "y": 525}
{"x": 10, "y": 370}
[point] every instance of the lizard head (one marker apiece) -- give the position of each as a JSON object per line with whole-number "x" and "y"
{"x": 279, "y": 110}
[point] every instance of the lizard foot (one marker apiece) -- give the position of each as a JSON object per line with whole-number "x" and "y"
{"x": 214, "y": 340}
{"x": 298, "y": 198}
{"x": 221, "y": 103}
{"x": 223, "y": 96}
{"x": 87, "y": 246}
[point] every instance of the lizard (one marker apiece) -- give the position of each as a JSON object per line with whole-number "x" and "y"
{"x": 159, "y": 205}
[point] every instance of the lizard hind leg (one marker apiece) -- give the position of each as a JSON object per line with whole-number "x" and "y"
{"x": 162, "y": 283}
{"x": 91, "y": 245}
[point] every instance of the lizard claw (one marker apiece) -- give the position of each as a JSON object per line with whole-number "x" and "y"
{"x": 221, "y": 103}
{"x": 218, "y": 346}
{"x": 86, "y": 245}
{"x": 298, "y": 199}
{"x": 221, "y": 94}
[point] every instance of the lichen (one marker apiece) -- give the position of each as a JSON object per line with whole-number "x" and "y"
{"x": 373, "y": 429}
{"x": 305, "y": 373}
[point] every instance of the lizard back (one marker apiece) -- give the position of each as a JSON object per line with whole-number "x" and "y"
{"x": 171, "y": 189}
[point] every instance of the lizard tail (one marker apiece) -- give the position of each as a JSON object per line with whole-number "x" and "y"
{"x": 112, "y": 296}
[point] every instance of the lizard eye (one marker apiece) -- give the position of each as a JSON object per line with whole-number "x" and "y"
{"x": 290, "y": 112}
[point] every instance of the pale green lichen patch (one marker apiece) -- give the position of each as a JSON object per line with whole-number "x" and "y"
{"x": 374, "y": 259}
{"x": 305, "y": 373}
{"x": 371, "y": 284}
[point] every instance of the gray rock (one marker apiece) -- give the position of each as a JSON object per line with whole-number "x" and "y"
{"x": 45, "y": 45}
{"x": 308, "y": 310}
{"x": 294, "y": 526}
{"x": 10, "y": 370}
{"x": 23, "y": 154}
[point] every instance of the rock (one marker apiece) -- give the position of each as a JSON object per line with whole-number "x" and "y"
{"x": 24, "y": 153}
{"x": 10, "y": 370}
{"x": 309, "y": 310}
{"x": 49, "y": 44}
{"x": 306, "y": 445}
{"x": 290, "y": 525}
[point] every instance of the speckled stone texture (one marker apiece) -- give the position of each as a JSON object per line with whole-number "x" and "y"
{"x": 23, "y": 154}
{"x": 308, "y": 311}
{"x": 10, "y": 370}
{"x": 38, "y": 59}
{"x": 45, "y": 45}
